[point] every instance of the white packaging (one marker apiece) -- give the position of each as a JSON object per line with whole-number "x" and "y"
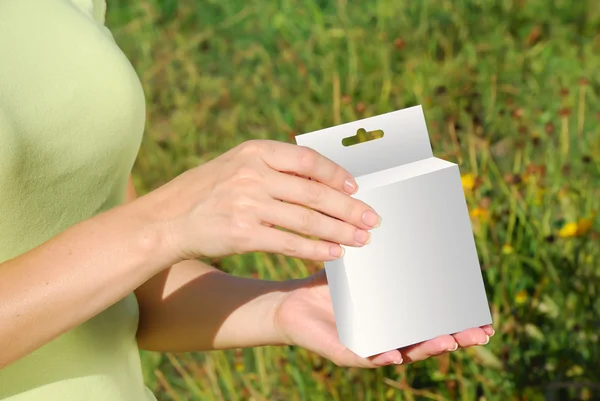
{"x": 420, "y": 276}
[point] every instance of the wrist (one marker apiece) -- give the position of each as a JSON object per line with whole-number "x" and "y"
{"x": 152, "y": 235}
{"x": 279, "y": 336}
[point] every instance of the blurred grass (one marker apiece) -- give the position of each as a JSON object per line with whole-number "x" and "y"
{"x": 510, "y": 91}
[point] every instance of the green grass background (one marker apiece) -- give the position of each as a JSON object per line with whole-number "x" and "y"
{"x": 510, "y": 90}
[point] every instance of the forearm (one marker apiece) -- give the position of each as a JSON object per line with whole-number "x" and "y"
{"x": 74, "y": 276}
{"x": 194, "y": 307}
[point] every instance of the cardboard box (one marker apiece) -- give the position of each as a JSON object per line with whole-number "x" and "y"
{"x": 420, "y": 276}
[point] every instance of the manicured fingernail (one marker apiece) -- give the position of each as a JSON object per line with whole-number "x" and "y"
{"x": 336, "y": 251}
{"x": 350, "y": 187}
{"x": 453, "y": 348}
{"x": 362, "y": 237}
{"x": 487, "y": 340}
{"x": 371, "y": 219}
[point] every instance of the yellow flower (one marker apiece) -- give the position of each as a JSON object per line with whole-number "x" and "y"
{"x": 480, "y": 214}
{"x": 507, "y": 249}
{"x": 581, "y": 228}
{"x": 584, "y": 226}
{"x": 468, "y": 181}
{"x": 568, "y": 230}
{"x": 521, "y": 297}
{"x": 563, "y": 194}
{"x": 239, "y": 367}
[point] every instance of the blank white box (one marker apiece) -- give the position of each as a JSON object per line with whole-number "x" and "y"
{"x": 420, "y": 276}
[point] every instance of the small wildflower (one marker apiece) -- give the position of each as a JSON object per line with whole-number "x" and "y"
{"x": 480, "y": 214}
{"x": 361, "y": 107}
{"x": 239, "y": 367}
{"x": 346, "y": 99}
{"x": 468, "y": 181}
{"x": 568, "y": 230}
{"x": 399, "y": 43}
{"x": 513, "y": 178}
{"x": 564, "y": 92}
{"x": 534, "y": 35}
{"x": 302, "y": 70}
{"x": 583, "y": 226}
{"x": 521, "y": 297}
{"x": 518, "y": 113}
{"x": 563, "y": 194}
{"x": 485, "y": 202}
{"x": 565, "y": 112}
{"x": 507, "y": 249}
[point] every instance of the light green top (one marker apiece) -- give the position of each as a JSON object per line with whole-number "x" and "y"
{"x": 71, "y": 122}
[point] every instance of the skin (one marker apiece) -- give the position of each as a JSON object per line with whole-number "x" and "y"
{"x": 231, "y": 205}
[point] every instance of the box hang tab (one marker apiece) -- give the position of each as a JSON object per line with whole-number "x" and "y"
{"x": 404, "y": 140}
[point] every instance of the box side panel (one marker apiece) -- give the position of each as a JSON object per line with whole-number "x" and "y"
{"x": 342, "y": 301}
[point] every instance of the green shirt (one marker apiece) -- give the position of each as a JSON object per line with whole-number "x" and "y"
{"x": 72, "y": 115}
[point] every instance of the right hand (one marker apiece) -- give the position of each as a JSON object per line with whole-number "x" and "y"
{"x": 233, "y": 204}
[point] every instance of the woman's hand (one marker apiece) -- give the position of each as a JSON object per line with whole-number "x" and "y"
{"x": 304, "y": 317}
{"x": 232, "y": 205}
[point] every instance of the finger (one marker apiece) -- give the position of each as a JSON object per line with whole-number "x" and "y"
{"x": 470, "y": 337}
{"x": 272, "y": 240}
{"x": 308, "y": 222}
{"x": 387, "y": 358}
{"x": 307, "y": 162}
{"x": 319, "y": 197}
{"x": 427, "y": 349}
{"x": 489, "y": 330}
{"x": 343, "y": 357}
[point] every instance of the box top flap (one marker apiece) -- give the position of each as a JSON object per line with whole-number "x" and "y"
{"x": 405, "y": 140}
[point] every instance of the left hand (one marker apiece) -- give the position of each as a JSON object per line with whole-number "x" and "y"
{"x": 305, "y": 318}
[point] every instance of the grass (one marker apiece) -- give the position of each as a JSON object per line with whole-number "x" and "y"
{"x": 511, "y": 92}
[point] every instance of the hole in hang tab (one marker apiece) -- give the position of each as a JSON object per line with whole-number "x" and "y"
{"x": 362, "y": 136}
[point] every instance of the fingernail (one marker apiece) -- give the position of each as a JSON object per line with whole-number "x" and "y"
{"x": 487, "y": 340}
{"x": 454, "y": 348}
{"x": 371, "y": 219}
{"x": 350, "y": 187}
{"x": 398, "y": 362}
{"x": 362, "y": 237}
{"x": 336, "y": 251}
{"x": 493, "y": 332}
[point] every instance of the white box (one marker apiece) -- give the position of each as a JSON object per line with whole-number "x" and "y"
{"x": 420, "y": 276}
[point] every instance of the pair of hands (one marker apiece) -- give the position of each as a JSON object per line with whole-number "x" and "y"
{"x": 236, "y": 204}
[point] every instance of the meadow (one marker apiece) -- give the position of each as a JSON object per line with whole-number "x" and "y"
{"x": 510, "y": 90}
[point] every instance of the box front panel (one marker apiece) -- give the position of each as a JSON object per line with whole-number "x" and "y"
{"x": 420, "y": 276}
